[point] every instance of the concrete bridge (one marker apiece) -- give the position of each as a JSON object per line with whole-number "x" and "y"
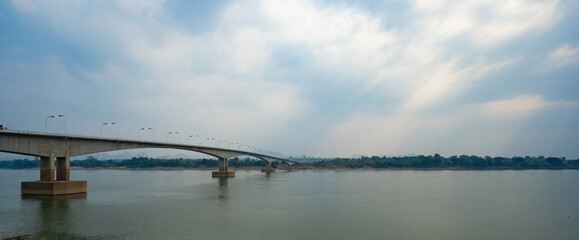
{"x": 60, "y": 148}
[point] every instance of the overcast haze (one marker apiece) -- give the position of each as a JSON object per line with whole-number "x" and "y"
{"x": 321, "y": 78}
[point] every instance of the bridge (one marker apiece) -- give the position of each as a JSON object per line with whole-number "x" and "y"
{"x": 60, "y": 148}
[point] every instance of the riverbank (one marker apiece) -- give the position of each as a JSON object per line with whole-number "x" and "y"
{"x": 420, "y": 162}
{"x": 313, "y": 168}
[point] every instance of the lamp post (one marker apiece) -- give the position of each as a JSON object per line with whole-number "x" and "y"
{"x": 62, "y": 116}
{"x": 190, "y": 136}
{"x": 167, "y": 137}
{"x": 110, "y": 123}
{"x": 139, "y": 133}
{"x": 114, "y": 123}
{"x": 46, "y": 120}
{"x": 153, "y": 133}
{"x": 52, "y": 116}
{"x": 143, "y": 129}
{"x": 102, "y": 128}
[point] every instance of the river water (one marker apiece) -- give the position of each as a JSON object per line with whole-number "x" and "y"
{"x": 189, "y": 204}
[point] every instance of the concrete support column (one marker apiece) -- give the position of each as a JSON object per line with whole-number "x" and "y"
{"x": 47, "y": 185}
{"x": 47, "y": 168}
{"x": 223, "y": 164}
{"x": 268, "y": 168}
{"x": 223, "y": 171}
{"x": 63, "y": 168}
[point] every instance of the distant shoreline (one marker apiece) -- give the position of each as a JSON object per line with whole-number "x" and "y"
{"x": 429, "y": 163}
{"x": 312, "y": 169}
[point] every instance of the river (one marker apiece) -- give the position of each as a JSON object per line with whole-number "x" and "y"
{"x": 189, "y": 204}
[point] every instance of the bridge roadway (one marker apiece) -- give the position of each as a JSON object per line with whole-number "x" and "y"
{"x": 51, "y": 147}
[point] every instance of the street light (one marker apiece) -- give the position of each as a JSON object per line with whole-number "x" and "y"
{"x": 139, "y": 133}
{"x": 190, "y": 136}
{"x": 62, "y": 116}
{"x": 153, "y": 133}
{"x": 52, "y": 116}
{"x": 102, "y": 128}
{"x": 110, "y": 123}
{"x": 143, "y": 129}
{"x": 46, "y": 120}
{"x": 113, "y": 123}
{"x": 167, "y": 136}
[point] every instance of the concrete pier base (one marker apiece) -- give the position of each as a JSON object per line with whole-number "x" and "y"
{"x": 53, "y": 187}
{"x": 267, "y": 170}
{"x": 223, "y": 174}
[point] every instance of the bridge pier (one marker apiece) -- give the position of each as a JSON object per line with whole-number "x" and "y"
{"x": 57, "y": 149}
{"x": 47, "y": 168}
{"x": 47, "y": 185}
{"x": 63, "y": 169}
{"x": 223, "y": 171}
{"x": 268, "y": 168}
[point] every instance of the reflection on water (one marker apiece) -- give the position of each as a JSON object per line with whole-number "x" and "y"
{"x": 302, "y": 205}
{"x": 53, "y": 219}
{"x": 223, "y": 181}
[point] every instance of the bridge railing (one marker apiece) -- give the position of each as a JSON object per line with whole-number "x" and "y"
{"x": 132, "y": 140}
{"x": 76, "y": 136}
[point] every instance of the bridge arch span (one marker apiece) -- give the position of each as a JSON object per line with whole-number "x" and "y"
{"x": 51, "y": 147}
{"x": 45, "y": 145}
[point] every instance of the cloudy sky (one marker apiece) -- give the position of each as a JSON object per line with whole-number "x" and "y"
{"x": 321, "y": 78}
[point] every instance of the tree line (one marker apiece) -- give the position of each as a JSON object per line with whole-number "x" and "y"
{"x": 410, "y": 162}
{"x": 462, "y": 161}
{"x": 137, "y": 162}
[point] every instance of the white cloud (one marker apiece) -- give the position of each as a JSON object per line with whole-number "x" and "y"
{"x": 445, "y": 80}
{"x": 147, "y": 7}
{"x": 486, "y": 22}
{"x": 24, "y": 5}
{"x": 428, "y": 69}
{"x": 519, "y": 106}
{"x": 566, "y": 54}
{"x": 487, "y": 128}
{"x": 229, "y": 80}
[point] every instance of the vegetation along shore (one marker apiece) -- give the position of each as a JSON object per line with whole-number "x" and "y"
{"x": 394, "y": 163}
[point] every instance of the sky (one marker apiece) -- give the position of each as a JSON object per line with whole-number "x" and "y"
{"x": 321, "y": 78}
